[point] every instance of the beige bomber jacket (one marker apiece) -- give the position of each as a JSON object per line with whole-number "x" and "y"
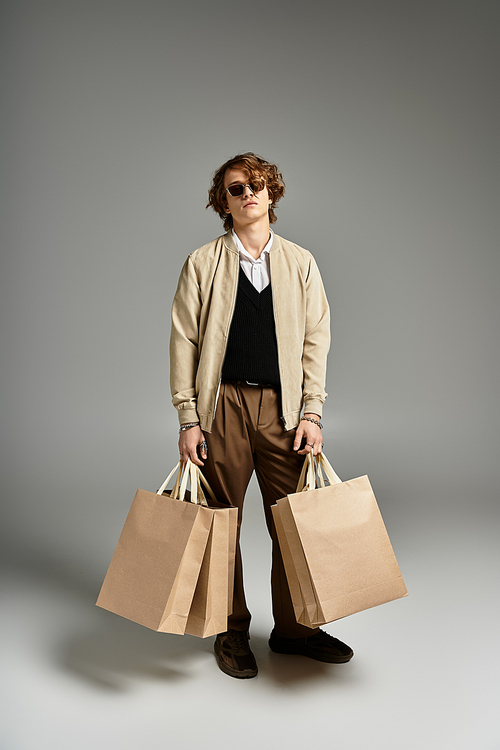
{"x": 201, "y": 316}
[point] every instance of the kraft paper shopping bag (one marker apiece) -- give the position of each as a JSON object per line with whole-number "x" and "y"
{"x": 336, "y": 551}
{"x": 155, "y": 570}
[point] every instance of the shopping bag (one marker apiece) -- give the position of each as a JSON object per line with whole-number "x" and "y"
{"x": 213, "y": 596}
{"x": 336, "y": 551}
{"x": 155, "y": 570}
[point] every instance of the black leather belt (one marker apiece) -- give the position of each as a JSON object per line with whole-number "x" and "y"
{"x": 254, "y": 385}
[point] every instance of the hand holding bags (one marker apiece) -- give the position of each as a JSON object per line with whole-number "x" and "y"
{"x": 337, "y": 554}
{"x": 173, "y": 567}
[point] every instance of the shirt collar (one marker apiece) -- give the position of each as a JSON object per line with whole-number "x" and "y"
{"x": 245, "y": 253}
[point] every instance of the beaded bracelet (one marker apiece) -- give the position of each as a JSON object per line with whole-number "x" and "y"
{"x": 188, "y": 426}
{"x": 310, "y": 419}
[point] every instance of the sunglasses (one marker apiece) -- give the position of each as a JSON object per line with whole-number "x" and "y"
{"x": 236, "y": 190}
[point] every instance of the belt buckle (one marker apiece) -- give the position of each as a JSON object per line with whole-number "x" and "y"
{"x": 249, "y": 383}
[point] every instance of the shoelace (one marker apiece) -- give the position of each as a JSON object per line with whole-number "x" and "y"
{"x": 238, "y": 640}
{"x": 322, "y": 636}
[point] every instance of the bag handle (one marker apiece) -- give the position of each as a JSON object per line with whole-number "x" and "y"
{"x": 307, "y": 479}
{"x": 314, "y": 472}
{"x": 190, "y": 471}
{"x": 167, "y": 480}
{"x": 206, "y": 485}
{"x": 324, "y": 463}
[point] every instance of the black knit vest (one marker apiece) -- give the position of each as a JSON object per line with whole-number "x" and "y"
{"x": 252, "y": 349}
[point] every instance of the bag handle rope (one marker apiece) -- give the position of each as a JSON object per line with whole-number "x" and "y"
{"x": 167, "y": 480}
{"x": 315, "y": 471}
{"x": 190, "y": 471}
{"x": 307, "y": 480}
{"x": 330, "y": 474}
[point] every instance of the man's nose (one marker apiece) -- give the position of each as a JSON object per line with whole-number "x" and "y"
{"x": 247, "y": 191}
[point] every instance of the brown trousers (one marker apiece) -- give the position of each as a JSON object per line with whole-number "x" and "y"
{"x": 247, "y": 435}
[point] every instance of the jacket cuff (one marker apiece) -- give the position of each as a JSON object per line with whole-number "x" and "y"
{"x": 313, "y": 406}
{"x": 188, "y": 415}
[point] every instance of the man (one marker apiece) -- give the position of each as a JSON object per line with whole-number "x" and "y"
{"x": 250, "y": 337}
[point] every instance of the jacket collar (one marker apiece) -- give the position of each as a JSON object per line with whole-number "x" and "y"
{"x": 230, "y": 244}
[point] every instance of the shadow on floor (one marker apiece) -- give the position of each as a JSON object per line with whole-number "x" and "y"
{"x": 119, "y": 652}
{"x": 112, "y": 653}
{"x": 287, "y": 671}
{"x": 100, "y": 647}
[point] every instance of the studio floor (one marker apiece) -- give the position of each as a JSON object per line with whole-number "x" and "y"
{"x": 424, "y": 675}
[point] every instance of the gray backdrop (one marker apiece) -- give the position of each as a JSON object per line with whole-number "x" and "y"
{"x": 383, "y": 116}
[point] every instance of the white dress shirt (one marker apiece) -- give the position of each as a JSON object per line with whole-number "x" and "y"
{"x": 256, "y": 270}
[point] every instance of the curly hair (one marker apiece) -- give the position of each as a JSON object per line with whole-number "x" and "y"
{"x": 259, "y": 171}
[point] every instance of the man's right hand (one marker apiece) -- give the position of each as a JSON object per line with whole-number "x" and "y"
{"x": 189, "y": 440}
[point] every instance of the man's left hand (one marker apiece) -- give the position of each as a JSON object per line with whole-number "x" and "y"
{"x": 312, "y": 434}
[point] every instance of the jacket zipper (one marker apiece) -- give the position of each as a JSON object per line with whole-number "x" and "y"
{"x": 216, "y": 398}
{"x": 235, "y": 291}
{"x": 279, "y": 362}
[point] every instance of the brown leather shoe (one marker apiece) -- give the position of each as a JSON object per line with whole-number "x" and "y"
{"x": 320, "y": 646}
{"x": 233, "y": 654}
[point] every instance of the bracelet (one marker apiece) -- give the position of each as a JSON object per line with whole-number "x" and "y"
{"x": 310, "y": 419}
{"x": 187, "y": 426}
